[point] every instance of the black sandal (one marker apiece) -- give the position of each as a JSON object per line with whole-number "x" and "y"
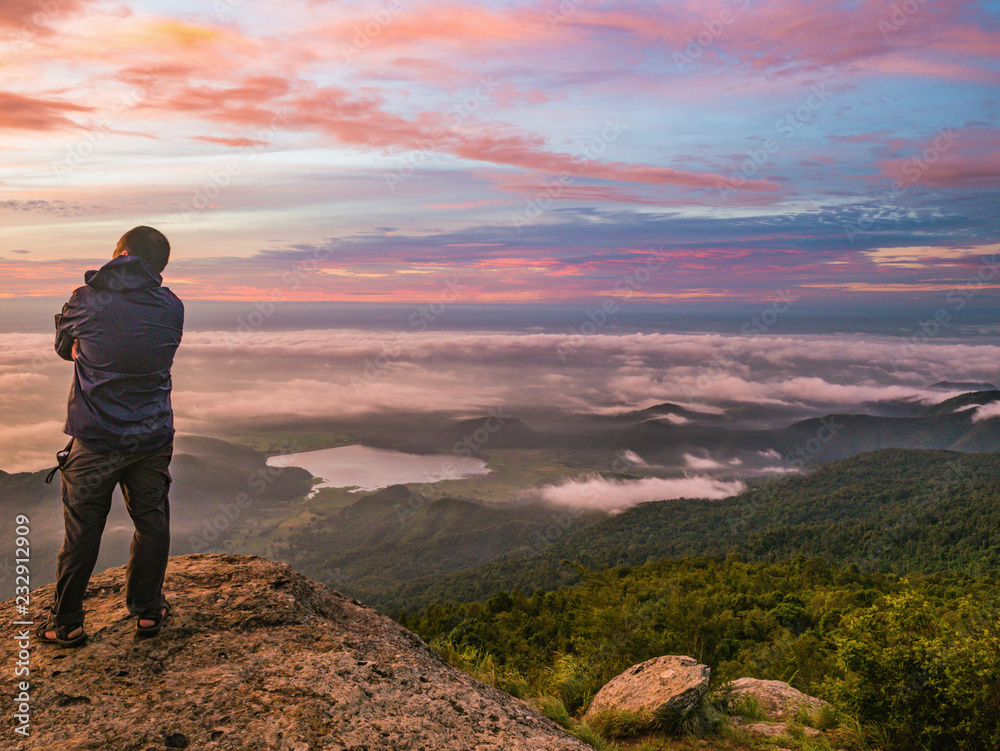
{"x": 62, "y": 634}
{"x": 156, "y": 616}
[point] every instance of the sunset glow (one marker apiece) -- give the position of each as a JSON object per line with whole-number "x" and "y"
{"x": 523, "y": 151}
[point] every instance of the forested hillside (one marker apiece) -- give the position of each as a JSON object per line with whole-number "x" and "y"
{"x": 395, "y": 535}
{"x": 893, "y": 510}
{"x": 917, "y": 662}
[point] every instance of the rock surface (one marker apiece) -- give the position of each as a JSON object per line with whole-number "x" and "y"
{"x": 775, "y": 730}
{"x": 254, "y": 656}
{"x": 662, "y": 687}
{"x": 779, "y": 701}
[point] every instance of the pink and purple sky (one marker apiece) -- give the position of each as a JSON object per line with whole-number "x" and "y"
{"x": 538, "y": 151}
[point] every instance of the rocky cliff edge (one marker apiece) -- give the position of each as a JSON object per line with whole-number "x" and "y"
{"x": 254, "y": 656}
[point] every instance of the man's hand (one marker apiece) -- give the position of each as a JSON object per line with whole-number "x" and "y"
{"x": 75, "y": 353}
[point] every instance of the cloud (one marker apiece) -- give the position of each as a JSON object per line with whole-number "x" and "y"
{"x": 225, "y": 378}
{"x": 20, "y": 389}
{"x": 758, "y": 37}
{"x": 215, "y": 81}
{"x": 950, "y": 158}
{"x": 363, "y": 120}
{"x": 632, "y": 457}
{"x": 702, "y": 462}
{"x": 568, "y": 190}
{"x": 385, "y": 369}
{"x": 594, "y": 254}
{"x": 780, "y": 470}
{"x": 867, "y": 33}
{"x": 30, "y": 18}
{"x": 239, "y": 142}
{"x": 58, "y": 208}
{"x": 304, "y": 397}
{"x": 30, "y": 447}
{"x": 816, "y": 390}
{"x": 31, "y": 113}
{"x": 617, "y": 495}
{"x": 671, "y": 418}
{"x": 986, "y": 412}
{"x": 570, "y": 254}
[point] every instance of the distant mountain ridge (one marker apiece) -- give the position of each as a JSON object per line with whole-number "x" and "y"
{"x": 964, "y": 386}
{"x": 944, "y": 426}
{"x": 497, "y": 431}
{"x": 820, "y": 439}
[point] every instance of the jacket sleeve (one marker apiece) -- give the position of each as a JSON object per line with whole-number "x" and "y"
{"x": 66, "y": 327}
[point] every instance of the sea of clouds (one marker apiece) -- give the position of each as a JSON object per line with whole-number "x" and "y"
{"x": 222, "y": 379}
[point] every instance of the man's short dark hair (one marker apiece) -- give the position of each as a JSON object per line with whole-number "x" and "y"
{"x": 149, "y": 244}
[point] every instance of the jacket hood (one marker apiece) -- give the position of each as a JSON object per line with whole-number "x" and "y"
{"x": 123, "y": 273}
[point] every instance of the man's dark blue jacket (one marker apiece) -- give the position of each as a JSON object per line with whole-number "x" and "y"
{"x": 128, "y": 327}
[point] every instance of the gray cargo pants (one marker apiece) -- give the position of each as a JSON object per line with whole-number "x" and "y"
{"x": 88, "y": 481}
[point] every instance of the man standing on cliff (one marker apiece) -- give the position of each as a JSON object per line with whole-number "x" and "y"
{"x": 121, "y": 331}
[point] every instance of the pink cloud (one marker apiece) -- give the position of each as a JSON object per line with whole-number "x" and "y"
{"x": 773, "y": 35}
{"x": 949, "y": 158}
{"x": 702, "y": 462}
{"x": 253, "y": 90}
{"x": 986, "y": 412}
{"x": 427, "y": 41}
{"x": 33, "y": 17}
{"x": 30, "y": 113}
{"x": 441, "y": 24}
{"x": 527, "y": 151}
{"x": 616, "y": 495}
{"x": 876, "y": 137}
{"x": 239, "y": 142}
{"x": 41, "y": 279}
{"x": 360, "y": 119}
{"x": 915, "y": 65}
{"x": 465, "y": 205}
{"x": 530, "y": 185}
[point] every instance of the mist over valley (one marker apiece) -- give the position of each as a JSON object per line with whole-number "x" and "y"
{"x": 522, "y": 437}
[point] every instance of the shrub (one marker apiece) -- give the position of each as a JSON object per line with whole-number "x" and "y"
{"x": 928, "y": 675}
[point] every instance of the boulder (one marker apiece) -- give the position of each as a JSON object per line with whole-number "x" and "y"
{"x": 778, "y": 700}
{"x": 661, "y": 688}
{"x": 254, "y": 657}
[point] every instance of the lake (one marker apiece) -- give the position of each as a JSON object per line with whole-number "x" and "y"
{"x": 365, "y": 468}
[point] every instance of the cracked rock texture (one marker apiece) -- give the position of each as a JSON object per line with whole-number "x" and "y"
{"x": 777, "y": 699}
{"x": 254, "y": 656}
{"x": 779, "y": 702}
